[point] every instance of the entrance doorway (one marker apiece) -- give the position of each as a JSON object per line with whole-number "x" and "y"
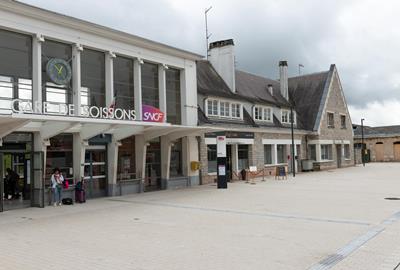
{"x": 16, "y": 171}
{"x": 396, "y": 150}
{"x": 339, "y": 155}
{"x": 96, "y": 171}
{"x": 153, "y": 166}
{"x": 379, "y": 151}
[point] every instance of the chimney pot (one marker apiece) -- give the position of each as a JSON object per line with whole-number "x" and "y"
{"x": 222, "y": 58}
{"x": 271, "y": 89}
{"x": 283, "y": 79}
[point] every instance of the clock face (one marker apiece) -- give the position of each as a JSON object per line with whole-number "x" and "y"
{"x": 59, "y": 71}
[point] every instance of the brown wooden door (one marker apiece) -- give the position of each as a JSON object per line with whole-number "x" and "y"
{"x": 396, "y": 150}
{"x": 379, "y": 152}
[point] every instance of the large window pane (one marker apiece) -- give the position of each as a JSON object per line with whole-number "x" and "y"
{"x": 60, "y": 155}
{"x": 126, "y": 159}
{"x": 281, "y": 153}
{"x": 176, "y": 159}
{"x": 15, "y": 69}
{"x": 243, "y": 157}
{"x": 267, "y": 154}
{"x": 58, "y": 94}
{"x": 93, "y": 77}
{"x": 312, "y": 152}
{"x": 123, "y": 83}
{"x": 173, "y": 96}
{"x": 212, "y": 158}
{"x": 150, "y": 85}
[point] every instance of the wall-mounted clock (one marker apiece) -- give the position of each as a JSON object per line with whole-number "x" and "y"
{"x": 59, "y": 71}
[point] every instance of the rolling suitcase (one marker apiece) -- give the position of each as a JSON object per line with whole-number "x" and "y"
{"x": 80, "y": 196}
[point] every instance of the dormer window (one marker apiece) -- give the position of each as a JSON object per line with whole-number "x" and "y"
{"x": 261, "y": 113}
{"x": 223, "y": 108}
{"x": 286, "y": 117}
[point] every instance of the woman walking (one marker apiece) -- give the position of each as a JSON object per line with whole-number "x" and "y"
{"x": 57, "y": 186}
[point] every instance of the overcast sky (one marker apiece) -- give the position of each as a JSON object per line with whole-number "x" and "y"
{"x": 360, "y": 36}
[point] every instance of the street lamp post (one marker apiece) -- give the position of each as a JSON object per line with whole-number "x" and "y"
{"x": 362, "y": 142}
{"x": 293, "y": 146}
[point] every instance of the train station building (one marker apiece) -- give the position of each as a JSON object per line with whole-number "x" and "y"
{"x": 116, "y": 110}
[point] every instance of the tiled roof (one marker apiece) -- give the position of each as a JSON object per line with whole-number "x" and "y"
{"x": 383, "y": 131}
{"x": 307, "y": 92}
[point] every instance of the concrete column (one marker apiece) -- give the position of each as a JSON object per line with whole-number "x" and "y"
{"x": 39, "y": 145}
{"x": 79, "y": 148}
{"x": 186, "y": 156}
{"x": 112, "y": 160}
{"x": 274, "y": 154}
{"x": 137, "y": 78}
{"x": 162, "y": 88}
{"x": 318, "y": 152}
{"x": 235, "y": 158}
{"x": 140, "y": 158}
{"x": 192, "y": 155}
{"x": 109, "y": 77}
{"x": 37, "y": 69}
{"x": 76, "y": 78}
{"x": 165, "y": 161}
{"x": 188, "y": 94}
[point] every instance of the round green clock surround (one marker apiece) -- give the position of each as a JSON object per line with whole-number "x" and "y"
{"x": 59, "y": 71}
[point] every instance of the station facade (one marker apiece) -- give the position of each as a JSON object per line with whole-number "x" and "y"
{"x": 107, "y": 107}
{"x": 255, "y": 114}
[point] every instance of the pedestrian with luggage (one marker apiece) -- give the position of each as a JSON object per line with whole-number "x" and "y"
{"x": 57, "y": 180}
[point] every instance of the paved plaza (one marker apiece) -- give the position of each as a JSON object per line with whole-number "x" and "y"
{"x": 335, "y": 219}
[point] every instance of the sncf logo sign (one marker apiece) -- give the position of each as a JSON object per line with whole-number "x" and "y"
{"x": 152, "y": 114}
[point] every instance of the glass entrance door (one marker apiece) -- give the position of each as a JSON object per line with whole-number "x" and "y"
{"x": 153, "y": 166}
{"x": 96, "y": 171}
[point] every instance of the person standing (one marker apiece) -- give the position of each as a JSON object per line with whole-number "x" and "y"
{"x": 12, "y": 180}
{"x": 57, "y": 180}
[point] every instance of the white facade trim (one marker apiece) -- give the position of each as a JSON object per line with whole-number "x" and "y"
{"x": 321, "y": 142}
{"x": 229, "y": 141}
{"x": 280, "y": 141}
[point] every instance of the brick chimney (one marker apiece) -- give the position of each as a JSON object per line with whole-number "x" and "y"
{"x": 283, "y": 79}
{"x": 222, "y": 58}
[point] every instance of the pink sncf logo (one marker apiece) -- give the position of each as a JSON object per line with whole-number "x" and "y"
{"x": 152, "y": 114}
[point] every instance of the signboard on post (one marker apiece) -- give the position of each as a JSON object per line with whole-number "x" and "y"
{"x": 221, "y": 162}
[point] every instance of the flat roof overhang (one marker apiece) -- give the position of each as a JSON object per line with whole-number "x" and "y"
{"x": 51, "y": 125}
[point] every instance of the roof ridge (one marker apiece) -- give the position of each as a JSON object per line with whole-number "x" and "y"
{"x": 309, "y": 74}
{"x": 256, "y": 75}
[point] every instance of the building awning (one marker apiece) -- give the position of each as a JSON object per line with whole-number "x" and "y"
{"x": 52, "y": 125}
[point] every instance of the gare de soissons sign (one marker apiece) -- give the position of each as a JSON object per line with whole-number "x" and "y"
{"x": 20, "y": 106}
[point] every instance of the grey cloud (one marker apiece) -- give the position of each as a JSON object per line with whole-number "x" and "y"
{"x": 351, "y": 34}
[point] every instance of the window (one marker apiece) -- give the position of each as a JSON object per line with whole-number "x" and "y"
{"x": 212, "y": 158}
{"x": 126, "y": 159}
{"x": 150, "y": 95}
{"x": 262, "y": 113}
{"x": 175, "y": 168}
{"x": 15, "y": 68}
{"x": 235, "y": 110}
{"x": 173, "y": 80}
{"x": 312, "y": 152}
{"x": 123, "y": 83}
{"x": 243, "y": 156}
{"x": 326, "y": 151}
{"x": 331, "y": 120}
{"x": 347, "y": 151}
{"x": 267, "y": 154}
{"x": 212, "y": 107}
{"x": 281, "y": 153}
{"x": 60, "y": 155}
{"x": 224, "y": 108}
{"x": 93, "y": 78}
{"x": 343, "y": 121}
{"x": 285, "y": 116}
